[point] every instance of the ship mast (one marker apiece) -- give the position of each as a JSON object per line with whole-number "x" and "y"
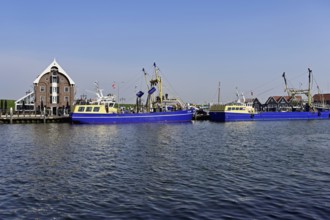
{"x": 157, "y": 82}
{"x": 309, "y": 88}
{"x": 293, "y": 92}
{"x": 286, "y": 85}
{"x": 145, "y": 77}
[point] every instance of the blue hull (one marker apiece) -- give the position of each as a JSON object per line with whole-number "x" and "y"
{"x": 268, "y": 116}
{"x": 176, "y": 116}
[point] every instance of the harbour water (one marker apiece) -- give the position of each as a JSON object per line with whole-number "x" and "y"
{"x": 199, "y": 170}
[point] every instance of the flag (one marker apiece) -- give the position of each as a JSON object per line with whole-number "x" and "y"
{"x": 114, "y": 85}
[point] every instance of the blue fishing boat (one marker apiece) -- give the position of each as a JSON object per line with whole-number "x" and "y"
{"x": 104, "y": 109}
{"x": 242, "y": 111}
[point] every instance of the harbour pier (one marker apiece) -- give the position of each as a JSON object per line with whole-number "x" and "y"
{"x": 31, "y": 117}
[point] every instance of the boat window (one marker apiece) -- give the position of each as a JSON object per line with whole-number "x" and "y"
{"x": 96, "y": 109}
{"x": 237, "y": 108}
{"x": 81, "y": 109}
{"x": 111, "y": 104}
{"x": 229, "y": 109}
{"x": 88, "y": 109}
{"x": 241, "y": 109}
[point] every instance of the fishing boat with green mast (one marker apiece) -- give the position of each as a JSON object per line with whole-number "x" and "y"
{"x": 240, "y": 111}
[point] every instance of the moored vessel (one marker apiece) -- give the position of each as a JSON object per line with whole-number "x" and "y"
{"x": 242, "y": 111}
{"x": 156, "y": 109}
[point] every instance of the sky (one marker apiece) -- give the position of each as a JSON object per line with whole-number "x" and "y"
{"x": 243, "y": 44}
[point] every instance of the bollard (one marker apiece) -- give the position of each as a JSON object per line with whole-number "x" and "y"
{"x": 11, "y": 115}
{"x": 44, "y": 115}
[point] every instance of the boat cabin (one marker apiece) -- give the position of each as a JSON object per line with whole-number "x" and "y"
{"x": 94, "y": 109}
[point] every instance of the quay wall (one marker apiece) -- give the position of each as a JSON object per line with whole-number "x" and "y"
{"x": 23, "y": 118}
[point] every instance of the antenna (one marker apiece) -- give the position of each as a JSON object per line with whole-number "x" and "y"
{"x": 219, "y": 93}
{"x": 237, "y": 95}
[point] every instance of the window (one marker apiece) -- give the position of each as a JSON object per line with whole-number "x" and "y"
{"x": 42, "y": 98}
{"x": 66, "y": 98}
{"x": 54, "y": 79}
{"x": 66, "y": 89}
{"x": 54, "y": 99}
{"x": 54, "y": 70}
{"x": 229, "y": 109}
{"x": 88, "y": 109}
{"x": 96, "y": 109}
{"x": 81, "y": 109}
{"x": 55, "y": 89}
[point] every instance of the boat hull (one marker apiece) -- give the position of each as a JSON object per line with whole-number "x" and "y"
{"x": 268, "y": 116}
{"x": 99, "y": 118}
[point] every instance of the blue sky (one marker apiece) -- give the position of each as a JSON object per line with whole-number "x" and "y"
{"x": 241, "y": 43}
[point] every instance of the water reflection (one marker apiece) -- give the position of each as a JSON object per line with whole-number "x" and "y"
{"x": 196, "y": 170}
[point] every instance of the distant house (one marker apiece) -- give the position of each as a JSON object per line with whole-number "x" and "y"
{"x": 54, "y": 90}
{"x": 254, "y": 102}
{"x": 321, "y": 99}
{"x": 283, "y": 103}
{"x": 271, "y": 104}
{"x": 257, "y": 105}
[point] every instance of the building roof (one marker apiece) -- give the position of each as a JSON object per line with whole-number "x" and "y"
{"x": 277, "y": 98}
{"x": 319, "y": 97}
{"x": 47, "y": 70}
{"x": 286, "y": 98}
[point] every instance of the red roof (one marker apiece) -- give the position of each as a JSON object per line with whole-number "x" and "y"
{"x": 277, "y": 98}
{"x": 320, "y": 97}
{"x": 287, "y": 98}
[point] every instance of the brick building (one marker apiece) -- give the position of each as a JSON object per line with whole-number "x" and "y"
{"x": 53, "y": 90}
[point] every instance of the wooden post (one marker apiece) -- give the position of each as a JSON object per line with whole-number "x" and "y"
{"x": 44, "y": 115}
{"x": 11, "y": 115}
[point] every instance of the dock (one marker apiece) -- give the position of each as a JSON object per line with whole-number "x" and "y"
{"x": 28, "y": 118}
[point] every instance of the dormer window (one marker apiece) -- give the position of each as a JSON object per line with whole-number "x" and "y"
{"x": 54, "y": 76}
{"x": 54, "y": 70}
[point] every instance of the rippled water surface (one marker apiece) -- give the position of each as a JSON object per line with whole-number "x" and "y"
{"x": 200, "y": 170}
